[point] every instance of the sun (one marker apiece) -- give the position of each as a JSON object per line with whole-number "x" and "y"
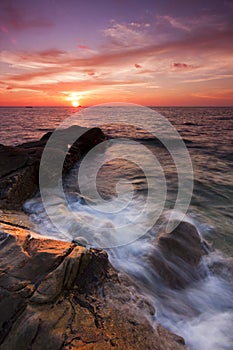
{"x": 75, "y": 103}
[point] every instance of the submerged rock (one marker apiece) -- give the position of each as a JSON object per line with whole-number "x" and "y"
{"x": 183, "y": 242}
{"x": 19, "y": 166}
{"x": 177, "y": 255}
{"x": 220, "y": 265}
{"x": 57, "y": 295}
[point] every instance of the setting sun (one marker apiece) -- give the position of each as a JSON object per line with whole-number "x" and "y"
{"x": 75, "y": 103}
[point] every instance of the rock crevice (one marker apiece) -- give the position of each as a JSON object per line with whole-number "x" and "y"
{"x": 59, "y": 295}
{"x": 55, "y": 300}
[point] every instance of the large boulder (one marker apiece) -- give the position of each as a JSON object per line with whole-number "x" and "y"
{"x": 176, "y": 256}
{"x": 56, "y": 295}
{"x": 19, "y": 166}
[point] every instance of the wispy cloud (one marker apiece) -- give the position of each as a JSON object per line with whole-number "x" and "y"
{"x": 209, "y": 78}
{"x": 198, "y": 49}
{"x": 223, "y": 94}
{"x": 25, "y": 59}
{"x": 121, "y": 35}
{"x": 175, "y": 22}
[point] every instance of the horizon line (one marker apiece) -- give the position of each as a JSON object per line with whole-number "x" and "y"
{"x": 159, "y": 106}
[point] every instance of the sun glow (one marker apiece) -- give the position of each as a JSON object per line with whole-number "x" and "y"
{"x": 75, "y": 103}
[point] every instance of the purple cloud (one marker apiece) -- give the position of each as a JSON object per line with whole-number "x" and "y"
{"x": 14, "y": 18}
{"x": 183, "y": 66}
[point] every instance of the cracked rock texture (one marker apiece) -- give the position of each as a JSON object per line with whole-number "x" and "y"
{"x": 56, "y": 295}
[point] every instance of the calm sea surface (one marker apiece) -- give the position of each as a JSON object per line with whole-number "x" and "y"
{"x": 202, "y": 313}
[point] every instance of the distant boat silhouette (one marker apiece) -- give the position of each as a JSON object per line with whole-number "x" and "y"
{"x": 28, "y": 106}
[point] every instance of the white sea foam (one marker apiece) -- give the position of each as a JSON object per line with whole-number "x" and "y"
{"x": 202, "y": 313}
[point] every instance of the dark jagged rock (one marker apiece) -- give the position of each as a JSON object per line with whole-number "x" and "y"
{"x": 56, "y": 295}
{"x": 177, "y": 255}
{"x": 19, "y": 166}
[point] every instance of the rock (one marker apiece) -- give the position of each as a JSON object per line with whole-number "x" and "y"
{"x": 10, "y": 160}
{"x": 80, "y": 241}
{"x": 19, "y": 166}
{"x": 221, "y": 266}
{"x": 60, "y": 295}
{"x": 183, "y": 242}
{"x": 190, "y": 124}
{"x": 18, "y": 186}
{"x": 57, "y": 295}
{"x": 177, "y": 255}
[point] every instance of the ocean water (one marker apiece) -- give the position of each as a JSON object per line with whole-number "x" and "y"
{"x": 129, "y": 181}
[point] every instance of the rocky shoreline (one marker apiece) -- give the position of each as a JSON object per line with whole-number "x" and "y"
{"x": 58, "y": 295}
{"x": 61, "y": 295}
{"x": 19, "y": 166}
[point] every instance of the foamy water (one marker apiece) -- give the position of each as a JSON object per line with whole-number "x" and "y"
{"x": 202, "y": 312}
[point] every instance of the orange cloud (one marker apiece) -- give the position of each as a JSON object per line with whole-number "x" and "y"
{"x": 109, "y": 71}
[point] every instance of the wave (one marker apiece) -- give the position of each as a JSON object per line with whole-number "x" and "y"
{"x": 196, "y": 303}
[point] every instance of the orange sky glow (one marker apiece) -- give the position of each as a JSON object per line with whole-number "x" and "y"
{"x": 162, "y": 56}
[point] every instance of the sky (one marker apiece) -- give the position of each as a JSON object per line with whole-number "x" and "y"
{"x": 150, "y": 52}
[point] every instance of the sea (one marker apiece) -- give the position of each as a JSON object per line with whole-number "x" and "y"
{"x": 158, "y": 166}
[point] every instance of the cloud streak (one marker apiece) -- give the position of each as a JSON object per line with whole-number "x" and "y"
{"x": 198, "y": 49}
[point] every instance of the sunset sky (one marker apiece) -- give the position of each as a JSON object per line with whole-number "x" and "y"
{"x": 151, "y": 52}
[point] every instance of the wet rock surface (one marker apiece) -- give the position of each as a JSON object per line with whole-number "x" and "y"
{"x": 60, "y": 295}
{"x": 19, "y": 166}
{"x": 177, "y": 256}
{"x": 221, "y": 266}
{"x": 57, "y": 295}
